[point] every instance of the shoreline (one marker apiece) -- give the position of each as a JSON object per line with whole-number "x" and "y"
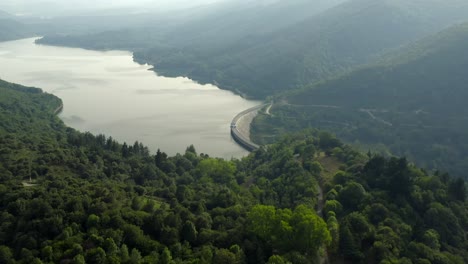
{"x": 230, "y": 149}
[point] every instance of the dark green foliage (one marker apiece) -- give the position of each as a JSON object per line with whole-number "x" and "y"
{"x": 352, "y": 195}
{"x": 225, "y": 256}
{"x": 6, "y": 256}
{"x": 348, "y": 245}
{"x": 457, "y": 189}
{"x": 189, "y": 232}
{"x": 383, "y": 222}
{"x": 74, "y": 197}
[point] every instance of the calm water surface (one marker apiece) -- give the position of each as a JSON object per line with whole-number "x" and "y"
{"x": 107, "y": 92}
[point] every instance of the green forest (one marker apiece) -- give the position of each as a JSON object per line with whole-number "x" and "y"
{"x": 364, "y": 147}
{"x": 72, "y": 197}
{"x": 409, "y": 104}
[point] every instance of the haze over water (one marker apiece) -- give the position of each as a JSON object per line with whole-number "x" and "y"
{"x": 108, "y": 93}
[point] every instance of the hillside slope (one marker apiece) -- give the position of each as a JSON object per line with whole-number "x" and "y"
{"x": 71, "y": 197}
{"x": 326, "y": 43}
{"x": 412, "y": 104}
{"x": 261, "y": 49}
{"x": 11, "y": 29}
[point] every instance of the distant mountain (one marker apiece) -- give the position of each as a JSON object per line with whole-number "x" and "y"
{"x": 11, "y": 29}
{"x": 204, "y": 26}
{"x": 54, "y": 8}
{"x": 327, "y": 43}
{"x": 260, "y": 48}
{"x": 202, "y": 32}
{"x": 412, "y": 104}
{"x": 426, "y": 76}
{"x": 235, "y": 20}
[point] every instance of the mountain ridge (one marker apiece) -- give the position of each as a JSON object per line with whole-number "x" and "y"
{"x": 386, "y": 106}
{"x": 335, "y": 41}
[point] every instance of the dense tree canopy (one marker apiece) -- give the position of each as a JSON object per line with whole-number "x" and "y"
{"x": 72, "y": 197}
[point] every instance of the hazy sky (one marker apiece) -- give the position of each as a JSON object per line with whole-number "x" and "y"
{"x": 36, "y": 7}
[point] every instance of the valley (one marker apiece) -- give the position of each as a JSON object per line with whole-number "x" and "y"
{"x": 121, "y": 126}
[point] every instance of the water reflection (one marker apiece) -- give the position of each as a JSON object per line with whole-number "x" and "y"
{"x": 106, "y": 92}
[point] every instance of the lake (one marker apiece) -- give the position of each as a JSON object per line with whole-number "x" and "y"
{"x": 108, "y": 93}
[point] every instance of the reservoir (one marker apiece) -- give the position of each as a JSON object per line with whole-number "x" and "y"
{"x": 108, "y": 93}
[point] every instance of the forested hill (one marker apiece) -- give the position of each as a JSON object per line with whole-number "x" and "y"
{"x": 11, "y": 29}
{"x": 230, "y": 21}
{"x": 412, "y": 104}
{"x": 321, "y": 46}
{"x": 71, "y": 197}
{"x": 261, "y": 50}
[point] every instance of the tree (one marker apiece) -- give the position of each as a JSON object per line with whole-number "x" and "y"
{"x": 275, "y": 259}
{"x": 135, "y": 256}
{"x": 160, "y": 158}
{"x": 341, "y": 177}
{"x": 225, "y": 256}
{"x": 191, "y": 149}
{"x": 457, "y": 189}
{"x": 47, "y": 253}
{"x": 442, "y": 220}
{"x": 328, "y": 141}
{"x": 206, "y": 254}
{"x": 93, "y": 221}
{"x": 301, "y": 230}
{"x": 314, "y": 167}
{"x": 124, "y": 255}
{"x": 374, "y": 171}
{"x": 388, "y": 243}
{"x": 358, "y": 225}
{"x": 352, "y": 195}
{"x": 166, "y": 256}
{"x": 348, "y": 245}
{"x": 376, "y": 213}
{"x": 96, "y": 255}
{"x": 6, "y": 255}
{"x": 332, "y": 206}
{"x": 431, "y": 239}
{"x": 110, "y": 247}
{"x": 189, "y": 232}
{"x": 334, "y": 228}
{"x": 310, "y": 231}
{"x": 400, "y": 178}
{"x": 218, "y": 170}
{"x": 262, "y": 221}
{"x": 79, "y": 259}
{"x": 125, "y": 150}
